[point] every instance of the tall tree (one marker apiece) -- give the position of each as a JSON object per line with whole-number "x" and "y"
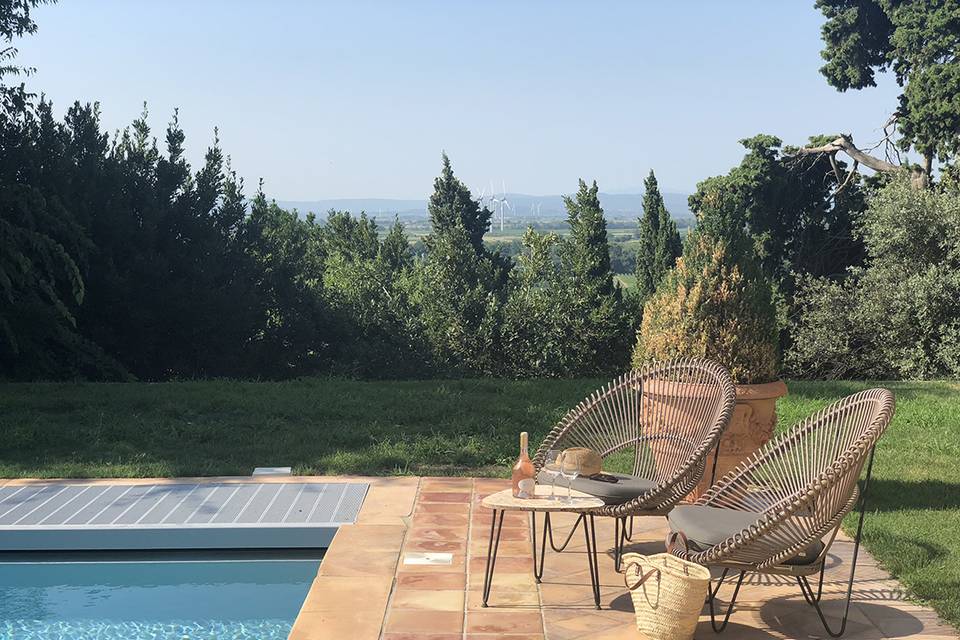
{"x": 789, "y": 208}
{"x": 460, "y": 285}
{"x": 15, "y": 22}
{"x": 587, "y": 249}
{"x": 659, "y": 245}
{"x": 451, "y": 205}
{"x": 920, "y": 42}
{"x": 593, "y": 309}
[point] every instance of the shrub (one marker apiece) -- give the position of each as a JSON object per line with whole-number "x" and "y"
{"x": 899, "y": 316}
{"x": 715, "y": 304}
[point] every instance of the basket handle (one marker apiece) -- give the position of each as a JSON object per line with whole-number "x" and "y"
{"x": 671, "y": 542}
{"x": 641, "y": 578}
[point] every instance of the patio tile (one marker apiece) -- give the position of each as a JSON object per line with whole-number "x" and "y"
{"x": 505, "y": 581}
{"x": 441, "y": 534}
{"x": 436, "y": 546}
{"x": 388, "y": 500}
{"x": 501, "y": 621}
{"x": 480, "y": 542}
{"x": 442, "y": 507}
{"x": 371, "y": 537}
{"x": 508, "y": 564}
{"x": 453, "y": 485}
{"x": 444, "y": 580}
{"x": 525, "y": 599}
{"x": 358, "y": 562}
{"x": 434, "y": 600}
{"x": 335, "y": 593}
{"x": 440, "y": 520}
{"x": 418, "y": 621}
{"x": 507, "y": 636}
{"x": 427, "y": 497}
{"x": 422, "y": 636}
{"x": 333, "y": 625}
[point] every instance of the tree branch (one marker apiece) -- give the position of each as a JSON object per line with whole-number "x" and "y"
{"x": 845, "y": 144}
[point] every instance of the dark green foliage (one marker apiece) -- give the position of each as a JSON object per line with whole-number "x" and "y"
{"x": 15, "y": 22}
{"x": 565, "y": 315}
{"x": 42, "y": 251}
{"x": 452, "y": 206}
{"x": 293, "y": 334}
{"x": 587, "y": 253}
{"x": 593, "y": 310}
{"x": 459, "y": 287}
{"x": 659, "y": 245}
{"x": 796, "y": 222}
{"x": 899, "y": 315}
{"x": 919, "y": 41}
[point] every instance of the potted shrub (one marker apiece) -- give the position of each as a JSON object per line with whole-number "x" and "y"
{"x": 717, "y": 304}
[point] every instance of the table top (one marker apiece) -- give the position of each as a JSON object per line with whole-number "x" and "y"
{"x": 582, "y": 502}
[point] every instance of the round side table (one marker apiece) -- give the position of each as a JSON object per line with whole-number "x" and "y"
{"x": 582, "y": 503}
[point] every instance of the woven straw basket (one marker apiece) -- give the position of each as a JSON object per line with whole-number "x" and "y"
{"x": 667, "y": 593}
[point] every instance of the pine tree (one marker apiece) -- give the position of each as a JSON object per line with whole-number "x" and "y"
{"x": 659, "y": 245}
{"x": 451, "y": 205}
{"x": 587, "y": 249}
{"x": 594, "y": 318}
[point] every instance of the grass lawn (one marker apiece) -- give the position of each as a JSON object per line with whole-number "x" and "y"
{"x": 450, "y": 427}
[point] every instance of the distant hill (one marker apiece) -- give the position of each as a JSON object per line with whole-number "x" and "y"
{"x": 615, "y": 205}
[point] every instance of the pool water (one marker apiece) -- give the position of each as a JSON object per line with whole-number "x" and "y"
{"x": 155, "y": 600}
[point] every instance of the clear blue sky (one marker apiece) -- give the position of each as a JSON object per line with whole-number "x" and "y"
{"x": 358, "y": 98}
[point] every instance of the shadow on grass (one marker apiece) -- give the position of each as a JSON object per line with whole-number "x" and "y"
{"x": 899, "y": 495}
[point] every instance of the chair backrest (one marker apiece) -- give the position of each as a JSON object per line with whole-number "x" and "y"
{"x": 803, "y": 482}
{"x": 669, "y": 415}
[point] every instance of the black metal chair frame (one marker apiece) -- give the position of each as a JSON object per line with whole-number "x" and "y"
{"x": 812, "y": 599}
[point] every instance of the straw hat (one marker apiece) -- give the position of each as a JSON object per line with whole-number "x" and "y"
{"x": 587, "y": 460}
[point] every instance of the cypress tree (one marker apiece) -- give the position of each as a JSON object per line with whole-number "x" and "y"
{"x": 588, "y": 251}
{"x": 451, "y": 206}
{"x": 660, "y": 244}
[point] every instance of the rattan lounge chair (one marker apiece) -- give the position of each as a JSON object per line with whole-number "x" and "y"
{"x": 779, "y": 511}
{"x": 667, "y": 417}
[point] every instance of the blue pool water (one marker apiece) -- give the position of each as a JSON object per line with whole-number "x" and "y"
{"x": 167, "y": 600}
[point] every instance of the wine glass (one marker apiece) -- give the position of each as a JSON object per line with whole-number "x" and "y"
{"x": 569, "y": 469}
{"x": 551, "y": 467}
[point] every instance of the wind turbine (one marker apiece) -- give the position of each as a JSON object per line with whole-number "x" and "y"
{"x": 502, "y": 203}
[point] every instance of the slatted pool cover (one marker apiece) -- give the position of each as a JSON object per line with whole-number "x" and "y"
{"x": 175, "y": 515}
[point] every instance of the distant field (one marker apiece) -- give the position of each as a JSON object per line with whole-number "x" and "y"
{"x": 450, "y": 427}
{"x": 626, "y": 280}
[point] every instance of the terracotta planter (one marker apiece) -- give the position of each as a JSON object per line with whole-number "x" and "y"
{"x": 754, "y": 420}
{"x": 752, "y": 425}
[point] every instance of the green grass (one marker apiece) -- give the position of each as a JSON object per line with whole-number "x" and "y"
{"x": 451, "y": 427}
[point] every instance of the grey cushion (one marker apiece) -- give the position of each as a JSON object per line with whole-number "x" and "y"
{"x": 709, "y": 526}
{"x": 628, "y": 487}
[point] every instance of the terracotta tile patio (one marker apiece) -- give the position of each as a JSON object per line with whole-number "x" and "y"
{"x": 365, "y": 591}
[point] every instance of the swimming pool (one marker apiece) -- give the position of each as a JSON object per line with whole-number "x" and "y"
{"x": 205, "y": 598}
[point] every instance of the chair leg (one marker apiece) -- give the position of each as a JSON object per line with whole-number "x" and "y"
{"x": 808, "y": 594}
{"x": 716, "y": 457}
{"x": 814, "y": 599}
{"x": 711, "y": 599}
{"x": 619, "y": 539}
{"x": 711, "y": 593}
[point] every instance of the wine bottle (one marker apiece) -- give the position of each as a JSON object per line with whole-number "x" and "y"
{"x": 523, "y": 476}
